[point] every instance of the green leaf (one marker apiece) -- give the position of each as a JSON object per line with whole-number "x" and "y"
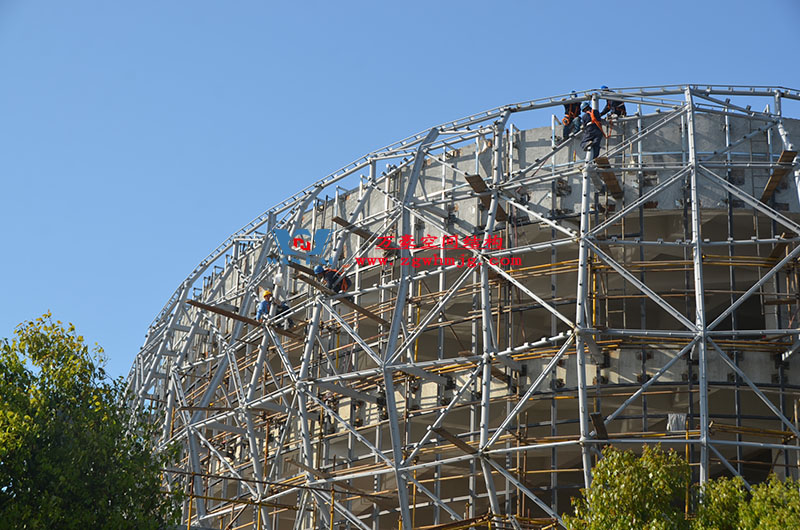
{"x": 72, "y": 456}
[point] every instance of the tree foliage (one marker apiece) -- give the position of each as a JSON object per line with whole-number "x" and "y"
{"x": 719, "y": 509}
{"x": 773, "y": 504}
{"x": 70, "y": 454}
{"x": 632, "y": 492}
{"x": 726, "y": 505}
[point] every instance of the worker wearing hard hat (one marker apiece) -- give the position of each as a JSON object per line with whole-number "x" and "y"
{"x": 265, "y": 306}
{"x": 262, "y": 311}
{"x": 334, "y": 280}
{"x": 572, "y": 117}
{"x": 613, "y": 106}
{"x": 592, "y": 130}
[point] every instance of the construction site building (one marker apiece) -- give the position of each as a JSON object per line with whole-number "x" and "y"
{"x": 515, "y": 307}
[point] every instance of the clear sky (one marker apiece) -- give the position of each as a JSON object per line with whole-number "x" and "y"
{"x": 135, "y": 136}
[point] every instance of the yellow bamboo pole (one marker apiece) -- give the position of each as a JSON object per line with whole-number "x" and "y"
{"x": 687, "y": 459}
{"x": 416, "y": 342}
{"x": 331, "y": 526}
{"x": 414, "y": 509}
{"x": 189, "y": 516}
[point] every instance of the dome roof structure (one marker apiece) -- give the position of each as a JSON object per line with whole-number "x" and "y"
{"x": 495, "y": 305}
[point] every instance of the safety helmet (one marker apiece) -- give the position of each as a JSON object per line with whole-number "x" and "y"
{"x": 267, "y": 293}
{"x": 584, "y": 106}
{"x": 603, "y": 87}
{"x": 318, "y": 269}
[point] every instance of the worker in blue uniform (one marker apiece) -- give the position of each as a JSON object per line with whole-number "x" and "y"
{"x": 592, "y": 130}
{"x": 333, "y": 279}
{"x": 613, "y": 106}
{"x": 572, "y": 117}
{"x": 263, "y": 309}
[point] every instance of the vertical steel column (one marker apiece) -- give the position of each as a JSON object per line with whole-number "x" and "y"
{"x": 255, "y": 457}
{"x": 787, "y": 145}
{"x": 778, "y": 312}
{"x": 582, "y": 296}
{"x": 394, "y": 331}
{"x": 687, "y": 286}
{"x": 440, "y": 392}
{"x": 474, "y": 416}
{"x": 642, "y": 278}
{"x": 732, "y": 286}
{"x": 699, "y": 294}
{"x": 377, "y": 483}
{"x": 302, "y": 397}
{"x": 553, "y": 330}
{"x": 487, "y": 332}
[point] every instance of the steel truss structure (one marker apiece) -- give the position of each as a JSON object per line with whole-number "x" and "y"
{"x": 647, "y": 296}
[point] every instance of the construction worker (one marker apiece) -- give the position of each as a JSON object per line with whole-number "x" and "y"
{"x": 334, "y": 280}
{"x": 571, "y": 119}
{"x": 613, "y": 106}
{"x": 264, "y": 307}
{"x": 592, "y": 130}
{"x": 262, "y": 311}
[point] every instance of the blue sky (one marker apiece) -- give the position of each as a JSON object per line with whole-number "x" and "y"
{"x": 136, "y": 136}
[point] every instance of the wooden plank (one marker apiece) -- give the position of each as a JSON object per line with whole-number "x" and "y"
{"x": 779, "y": 251}
{"x": 780, "y": 248}
{"x": 478, "y": 185}
{"x": 362, "y": 232}
{"x": 599, "y": 425}
{"x": 787, "y": 157}
{"x": 282, "y": 332}
{"x": 456, "y": 441}
{"x": 355, "y": 307}
{"x": 241, "y": 318}
{"x": 357, "y": 230}
{"x": 301, "y": 268}
{"x": 224, "y": 312}
{"x": 498, "y": 374}
{"x": 610, "y": 179}
{"x": 784, "y": 165}
{"x": 783, "y": 301}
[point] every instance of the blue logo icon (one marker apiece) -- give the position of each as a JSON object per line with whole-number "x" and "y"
{"x": 303, "y": 245}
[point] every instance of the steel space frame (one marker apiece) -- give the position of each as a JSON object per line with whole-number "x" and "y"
{"x": 166, "y": 373}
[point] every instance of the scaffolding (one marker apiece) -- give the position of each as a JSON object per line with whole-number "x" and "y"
{"x": 515, "y": 307}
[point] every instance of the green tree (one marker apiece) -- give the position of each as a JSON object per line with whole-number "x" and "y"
{"x": 721, "y": 501}
{"x": 773, "y": 505}
{"x": 630, "y": 492}
{"x": 726, "y": 505}
{"x": 71, "y": 455}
